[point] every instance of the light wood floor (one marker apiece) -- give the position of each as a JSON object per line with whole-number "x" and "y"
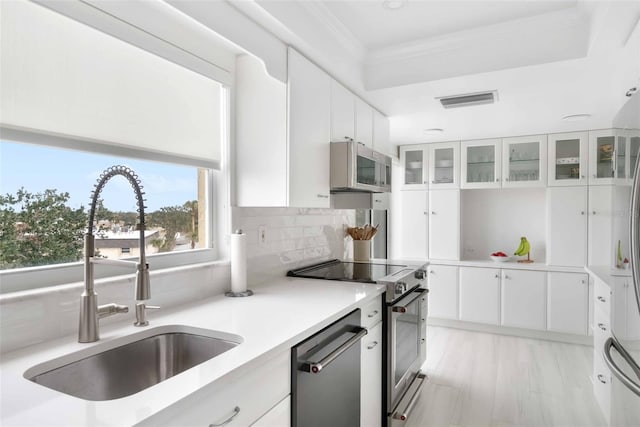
{"x": 479, "y": 379}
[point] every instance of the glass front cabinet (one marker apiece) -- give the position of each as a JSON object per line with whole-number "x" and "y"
{"x": 524, "y": 161}
{"x": 444, "y": 161}
{"x": 414, "y": 160}
{"x": 481, "y": 163}
{"x": 567, "y": 159}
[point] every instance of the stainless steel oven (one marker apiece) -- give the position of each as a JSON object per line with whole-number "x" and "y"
{"x": 406, "y": 352}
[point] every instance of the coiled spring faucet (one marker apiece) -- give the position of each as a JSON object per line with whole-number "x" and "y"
{"x": 90, "y": 312}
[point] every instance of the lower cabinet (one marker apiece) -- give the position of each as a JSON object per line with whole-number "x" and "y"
{"x": 443, "y": 291}
{"x": 278, "y": 416}
{"x": 568, "y": 303}
{"x": 371, "y": 378}
{"x": 480, "y": 295}
{"x": 523, "y": 299}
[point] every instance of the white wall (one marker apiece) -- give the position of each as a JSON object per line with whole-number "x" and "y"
{"x": 494, "y": 220}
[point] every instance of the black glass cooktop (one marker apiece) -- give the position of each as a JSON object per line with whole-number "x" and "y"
{"x": 347, "y": 271}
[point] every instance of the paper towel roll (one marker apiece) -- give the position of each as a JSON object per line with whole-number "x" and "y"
{"x": 238, "y": 262}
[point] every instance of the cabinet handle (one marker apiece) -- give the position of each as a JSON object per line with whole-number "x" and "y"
{"x": 322, "y": 196}
{"x": 236, "y": 411}
{"x": 602, "y": 379}
{"x": 433, "y": 212}
{"x": 581, "y": 176}
{"x": 348, "y": 138}
{"x": 581, "y": 212}
{"x": 601, "y": 326}
{"x": 372, "y": 345}
{"x": 497, "y": 179}
{"x": 424, "y": 182}
{"x": 601, "y": 299}
{"x": 582, "y": 281}
{"x": 593, "y": 212}
{"x": 373, "y": 313}
{"x": 506, "y": 179}
{"x": 422, "y": 341}
{"x": 432, "y": 272}
{"x": 497, "y": 276}
{"x": 507, "y": 277}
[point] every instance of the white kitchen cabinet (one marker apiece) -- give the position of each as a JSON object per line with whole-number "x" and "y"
{"x": 481, "y": 165}
{"x": 444, "y": 165}
{"x": 240, "y": 399}
{"x": 480, "y": 295}
{"x": 343, "y": 113}
{"x": 567, "y": 226}
{"x": 444, "y": 224}
{"x": 364, "y": 123}
{"x": 381, "y": 137}
{"x": 443, "y": 291}
{"x": 524, "y": 299}
{"x": 278, "y": 416}
{"x": 371, "y": 378}
{"x": 601, "y": 248}
{"x": 413, "y": 227}
{"x": 568, "y": 159}
{"x": 626, "y": 155}
{"x": 567, "y": 302}
{"x": 309, "y": 123}
{"x": 414, "y": 160}
{"x": 602, "y": 157}
{"x": 524, "y": 161}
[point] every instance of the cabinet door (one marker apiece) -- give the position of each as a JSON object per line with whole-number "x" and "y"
{"x": 364, "y": 123}
{"x": 278, "y": 416}
{"x": 632, "y": 157}
{"x": 444, "y": 224}
{"x": 444, "y": 164}
{"x": 524, "y": 161}
{"x": 524, "y": 299}
{"x": 343, "y": 113}
{"x": 414, "y": 160}
{"x": 480, "y": 295}
{"x": 371, "y": 378}
{"x": 443, "y": 291}
{"x": 481, "y": 165}
{"x": 600, "y": 238}
{"x": 567, "y": 302}
{"x": 602, "y": 157}
{"x": 381, "y": 141}
{"x": 413, "y": 226}
{"x": 567, "y": 226}
{"x": 567, "y": 159}
{"x": 309, "y": 149}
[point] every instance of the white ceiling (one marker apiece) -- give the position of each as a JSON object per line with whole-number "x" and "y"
{"x": 546, "y": 59}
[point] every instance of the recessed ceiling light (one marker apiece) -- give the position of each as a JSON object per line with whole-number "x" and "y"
{"x": 433, "y": 131}
{"x": 576, "y": 117}
{"x": 393, "y": 4}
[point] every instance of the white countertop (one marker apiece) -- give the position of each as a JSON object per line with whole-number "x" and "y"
{"x": 278, "y": 316}
{"x": 607, "y": 274}
{"x": 512, "y": 264}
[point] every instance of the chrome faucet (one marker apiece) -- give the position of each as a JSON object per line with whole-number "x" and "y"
{"x": 90, "y": 311}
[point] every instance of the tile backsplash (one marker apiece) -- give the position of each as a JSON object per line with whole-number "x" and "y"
{"x": 280, "y": 239}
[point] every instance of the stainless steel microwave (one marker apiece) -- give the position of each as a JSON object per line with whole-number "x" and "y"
{"x": 356, "y": 167}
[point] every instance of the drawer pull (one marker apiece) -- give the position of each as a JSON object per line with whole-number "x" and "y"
{"x": 602, "y": 379}
{"x": 372, "y": 345}
{"x": 373, "y": 313}
{"x": 236, "y": 411}
{"x": 601, "y": 299}
{"x": 601, "y": 326}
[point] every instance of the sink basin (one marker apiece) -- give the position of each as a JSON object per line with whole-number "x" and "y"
{"x": 125, "y": 366}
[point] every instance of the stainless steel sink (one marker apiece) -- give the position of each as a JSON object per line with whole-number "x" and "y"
{"x": 122, "y": 369}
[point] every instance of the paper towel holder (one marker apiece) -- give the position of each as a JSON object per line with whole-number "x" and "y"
{"x": 246, "y": 293}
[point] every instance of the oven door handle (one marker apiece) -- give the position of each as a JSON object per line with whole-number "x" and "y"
{"x": 402, "y": 306}
{"x": 316, "y": 367}
{"x": 403, "y": 415}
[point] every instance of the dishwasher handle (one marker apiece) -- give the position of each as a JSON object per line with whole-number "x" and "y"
{"x": 316, "y": 367}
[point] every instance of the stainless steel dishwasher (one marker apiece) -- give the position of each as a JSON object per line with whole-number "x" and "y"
{"x": 325, "y": 376}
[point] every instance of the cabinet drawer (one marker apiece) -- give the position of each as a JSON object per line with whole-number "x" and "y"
{"x": 602, "y": 386}
{"x": 371, "y": 313}
{"x": 602, "y": 295}
{"x": 242, "y": 399}
{"x": 279, "y": 416}
{"x": 601, "y": 330}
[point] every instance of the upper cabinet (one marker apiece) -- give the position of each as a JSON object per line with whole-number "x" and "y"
{"x": 627, "y": 145}
{"x": 364, "y": 123}
{"x": 481, "y": 163}
{"x": 602, "y": 156}
{"x": 567, "y": 159}
{"x": 524, "y": 161}
{"x": 414, "y": 161}
{"x": 444, "y": 164}
{"x": 343, "y": 113}
{"x": 381, "y": 139}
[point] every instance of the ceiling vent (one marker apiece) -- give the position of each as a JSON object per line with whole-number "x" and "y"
{"x": 469, "y": 99}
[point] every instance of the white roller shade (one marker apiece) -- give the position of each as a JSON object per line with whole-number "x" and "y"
{"x": 60, "y": 76}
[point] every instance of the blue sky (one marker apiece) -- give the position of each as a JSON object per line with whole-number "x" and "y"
{"x": 37, "y": 168}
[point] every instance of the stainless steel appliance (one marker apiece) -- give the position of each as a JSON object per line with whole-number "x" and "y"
{"x": 325, "y": 376}
{"x": 356, "y": 167}
{"x": 622, "y": 350}
{"x": 404, "y": 326}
